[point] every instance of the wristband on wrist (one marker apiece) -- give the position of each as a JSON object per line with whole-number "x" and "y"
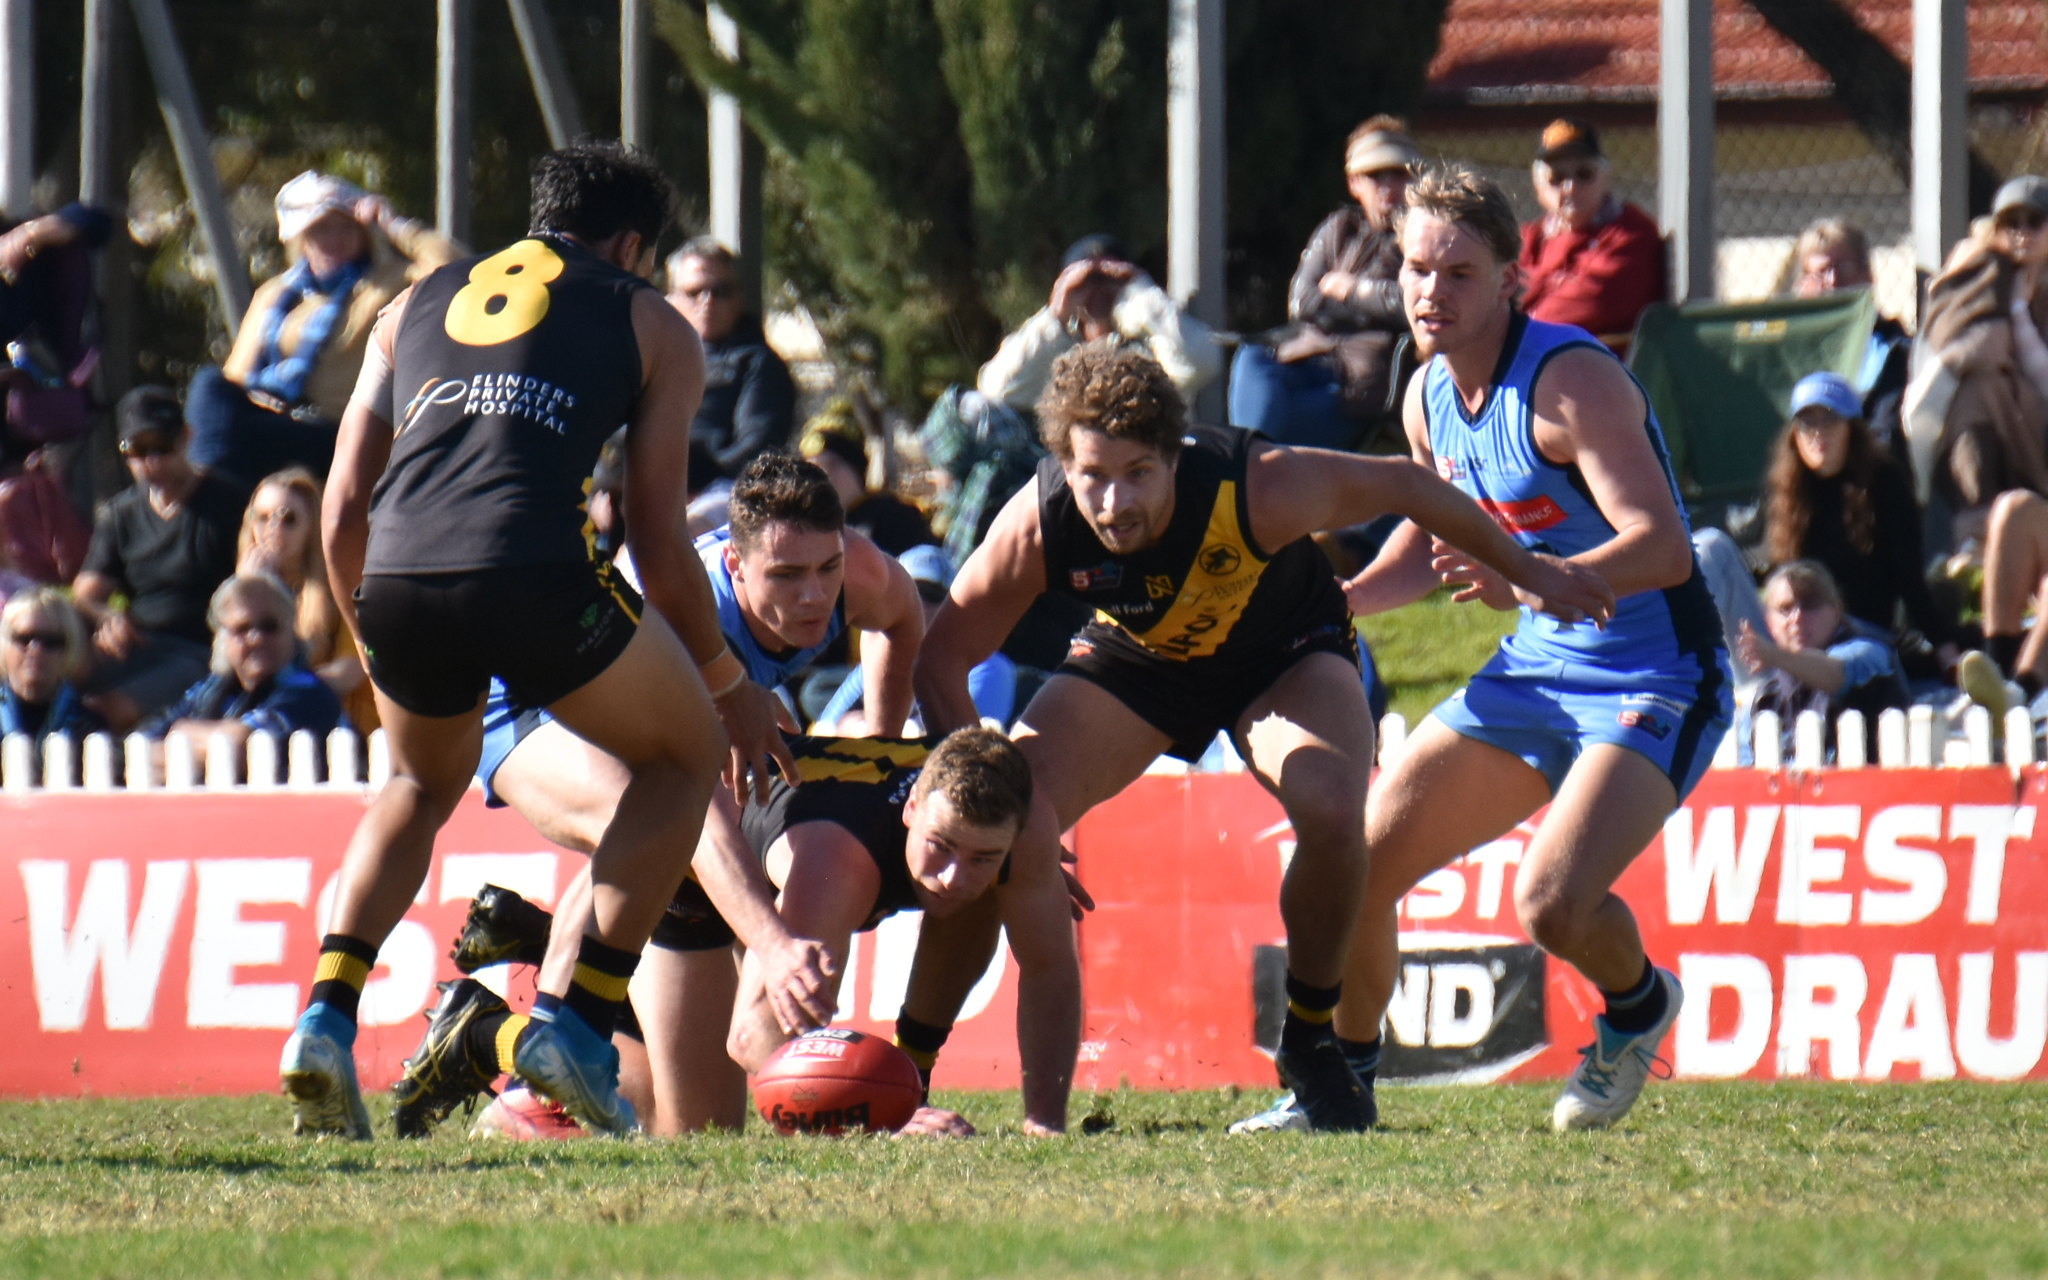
{"x": 723, "y": 673}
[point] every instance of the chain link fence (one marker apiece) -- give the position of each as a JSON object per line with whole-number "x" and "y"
{"x": 1771, "y": 181}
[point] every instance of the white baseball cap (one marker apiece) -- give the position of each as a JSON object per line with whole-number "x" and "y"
{"x": 302, "y": 201}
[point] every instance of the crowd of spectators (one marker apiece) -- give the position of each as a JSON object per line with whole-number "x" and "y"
{"x": 196, "y": 602}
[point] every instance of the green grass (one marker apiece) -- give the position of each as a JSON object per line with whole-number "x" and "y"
{"x": 1428, "y": 649}
{"x": 1706, "y": 1180}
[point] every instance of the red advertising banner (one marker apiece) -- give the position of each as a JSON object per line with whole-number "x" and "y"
{"x": 1860, "y": 925}
{"x": 158, "y": 944}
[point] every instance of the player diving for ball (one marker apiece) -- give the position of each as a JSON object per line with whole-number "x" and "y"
{"x": 459, "y": 548}
{"x": 1214, "y": 612}
{"x": 1609, "y": 727}
{"x": 877, "y": 826}
{"x": 789, "y": 578}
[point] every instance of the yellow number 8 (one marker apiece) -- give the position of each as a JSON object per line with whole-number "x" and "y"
{"x": 507, "y": 295}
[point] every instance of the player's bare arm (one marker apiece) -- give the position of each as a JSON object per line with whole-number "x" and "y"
{"x": 990, "y": 594}
{"x": 1401, "y": 573}
{"x": 362, "y": 448}
{"x": 827, "y": 882}
{"x": 657, "y": 462}
{"x": 1293, "y": 492}
{"x": 882, "y": 602}
{"x": 799, "y": 979}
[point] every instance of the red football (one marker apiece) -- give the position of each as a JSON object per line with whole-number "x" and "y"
{"x": 834, "y": 1081}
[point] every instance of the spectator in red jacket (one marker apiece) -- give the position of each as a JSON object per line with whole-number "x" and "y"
{"x": 1591, "y": 260}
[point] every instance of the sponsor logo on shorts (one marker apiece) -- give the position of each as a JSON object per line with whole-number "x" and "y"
{"x": 1219, "y": 560}
{"x": 1673, "y": 705}
{"x": 1528, "y": 516}
{"x": 1103, "y": 577}
{"x": 1643, "y": 720}
{"x": 1079, "y": 648}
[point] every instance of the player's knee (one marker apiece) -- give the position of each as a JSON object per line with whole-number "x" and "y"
{"x": 749, "y": 1046}
{"x": 1329, "y": 823}
{"x": 2017, "y": 504}
{"x": 1551, "y": 920}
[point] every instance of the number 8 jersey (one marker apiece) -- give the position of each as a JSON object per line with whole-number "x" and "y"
{"x": 508, "y": 373}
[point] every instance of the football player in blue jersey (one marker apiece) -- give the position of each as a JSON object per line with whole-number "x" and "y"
{"x": 1611, "y": 726}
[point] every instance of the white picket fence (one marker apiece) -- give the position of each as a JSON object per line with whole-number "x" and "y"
{"x": 1916, "y": 739}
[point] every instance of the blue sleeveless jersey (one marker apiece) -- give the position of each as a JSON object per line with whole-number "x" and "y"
{"x": 766, "y": 669}
{"x": 1492, "y": 457}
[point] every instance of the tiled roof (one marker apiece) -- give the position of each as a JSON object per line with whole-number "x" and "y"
{"x": 1606, "y": 50}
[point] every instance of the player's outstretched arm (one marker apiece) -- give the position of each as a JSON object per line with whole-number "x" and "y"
{"x": 989, "y": 595}
{"x": 829, "y": 884}
{"x": 799, "y": 979}
{"x": 882, "y": 601}
{"x": 657, "y": 472}
{"x": 1297, "y": 491}
{"x": 1588, "y": 411}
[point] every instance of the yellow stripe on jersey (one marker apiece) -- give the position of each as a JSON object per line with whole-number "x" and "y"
{"x": 1214, "y": 593}
{"x": 855, "y": 759}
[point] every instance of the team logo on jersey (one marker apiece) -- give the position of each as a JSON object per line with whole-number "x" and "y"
{"x": 436, "y": 391}
{"x": 1643, "y": 720}
{"x": 1219, "y": 560}
{"x": 1528, "y": 516}
{"x": 1159, "y": 585}
{"x": 1451, "y": 470}
{"x": 1103, "y": 577}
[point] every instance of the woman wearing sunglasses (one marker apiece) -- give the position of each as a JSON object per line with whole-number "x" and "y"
{"x": 42, "y": 646}
{"x": 257, "y": 682}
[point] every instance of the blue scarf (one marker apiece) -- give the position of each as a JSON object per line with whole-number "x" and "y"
{"x": 285, "y": 376}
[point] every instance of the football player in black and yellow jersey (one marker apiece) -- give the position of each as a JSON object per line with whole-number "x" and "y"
{"x": 1213, "y": 613}
{"x": 460, "y": 548}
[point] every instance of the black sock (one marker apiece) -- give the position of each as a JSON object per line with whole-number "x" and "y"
{"x": 345, "y": 964}
{"x": 922, "y": 1042}
{"x": 1309, "y": 1014}
{"x": 1363, "y": 1055}
{"x": 1639, "y": 1007}
{"x": 2005, "y": 651}
{"x": 599, "y": 988}
{"x": 2029, "y": 683}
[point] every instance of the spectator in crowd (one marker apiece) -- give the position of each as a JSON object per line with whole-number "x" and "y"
{"x": 1328, "y": 377}
{"x": 42, "y": 649}
{"x": 991, "y": 684}
{"x": 1832, "y": 254}
{"x": 277, "y": 400}
{"x": 749, "y": 404}
{"x": 1591, "y": 260}
{"x": 165, "y": 543}
{"x": 1832, "y": 496}
{"x": 1100, "y": 293}
{"x": 281, "y": 537}
{"x": 45, "y": 295}
{"x": 1816, "y": 657}
{"x": 833, "y": 442}
{"x": 1977, "y": 404}
{"x": 257, "y": 681}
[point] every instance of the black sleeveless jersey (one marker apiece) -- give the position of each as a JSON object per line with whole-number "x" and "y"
{"x": 1205, "y": 589}
{"x": 508, "y": 373}
{"x": 859, "y": 784}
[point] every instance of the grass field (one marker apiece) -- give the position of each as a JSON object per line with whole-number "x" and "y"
{"x": 1706, "y": 1180}
{"x": 1428, "y": 649}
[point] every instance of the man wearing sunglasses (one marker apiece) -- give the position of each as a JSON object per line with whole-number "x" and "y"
{"x": 1591, "y": 260}
{"x": 257, "y": 681}
{"x": 749, "y": 399}
{"x": 164, "y": 543}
